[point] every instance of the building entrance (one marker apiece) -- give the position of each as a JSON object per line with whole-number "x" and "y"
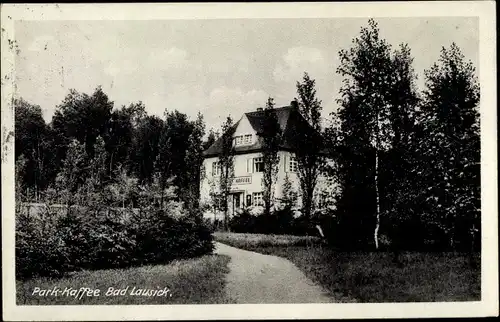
{"x": 236, "y": 202}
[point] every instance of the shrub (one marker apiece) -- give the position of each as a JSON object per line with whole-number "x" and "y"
{"x": 37, "y": 245}
{"x": 278, "y": 222}
{"x": 243, "y": 222}
{"x": 50, "y": 244}
{"x": 162, "y": 238}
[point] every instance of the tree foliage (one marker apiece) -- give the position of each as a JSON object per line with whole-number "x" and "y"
{"x": 407, "y": 161}
{"x": 450, "y": 146}
{"x": 226, "y": 163}
{"x": 308, "y": 141}
{"x": 271, "y": 139}
{"x": 414, "y": 158}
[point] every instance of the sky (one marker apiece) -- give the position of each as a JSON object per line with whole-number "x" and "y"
{"x": 217, "y": 67}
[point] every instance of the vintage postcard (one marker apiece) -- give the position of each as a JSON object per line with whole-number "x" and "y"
{"x": 249, "y": 161}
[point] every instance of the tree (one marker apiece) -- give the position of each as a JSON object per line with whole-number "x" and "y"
{"x": 271, "y": 139}
{"x": 120, "y": 135}
{"x": 226, "y": 163}
{"x": 364, "y": 103}
{"x": 80, "y": 116}
{"x": 98, "y": 168}
{"x": 31, "y": 141}
{"x": 450, "y": 146}
{"x": 145, "y": 147}
{"x": 20, "y": 169}
{"x": 163, "y": 164}
{"x": 289, "y": 198}
{"x": 194, "y": 163}
{"x": 72, "y": 173}
{"x": 398, "y": 175}
{"x": 83, "y": 117}
{"x": 124, "y": 187}
{"x": 211, "y": 138}
{"x": 308, "y": 141}
{"x": 92, "y": 190}
{"x": 178, "y": 128}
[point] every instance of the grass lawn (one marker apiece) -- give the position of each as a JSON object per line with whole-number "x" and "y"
{"x": 193, "y": 281}
{"x": 373, "y": 277}
{"x": 246, "y": 241}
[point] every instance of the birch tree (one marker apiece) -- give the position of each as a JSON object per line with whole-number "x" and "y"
{"x": 366, "y": 67}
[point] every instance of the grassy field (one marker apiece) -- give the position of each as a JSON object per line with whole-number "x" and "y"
{"x": 373, "y": 277}
{"x": 246, "y": 241}
{"x": 193, "y": 281}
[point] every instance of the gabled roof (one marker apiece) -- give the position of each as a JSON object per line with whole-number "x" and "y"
{"x": 289, "y": 119}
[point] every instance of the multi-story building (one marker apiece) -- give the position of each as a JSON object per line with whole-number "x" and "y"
{"x": 247, "y": 186}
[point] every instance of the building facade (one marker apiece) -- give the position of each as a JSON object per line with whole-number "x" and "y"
{"x": 247, "y": 185}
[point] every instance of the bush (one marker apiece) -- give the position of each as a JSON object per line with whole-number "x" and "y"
{"x": 39, "y": 248}
{"x": 51, "y": 244}
{"x": 278, "y": 222}
{"x": 161, "y": 238}
{"x": 244, "y": 222}
{"x": 283, "y": 222}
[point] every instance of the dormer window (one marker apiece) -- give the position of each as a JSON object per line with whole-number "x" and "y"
{"x": 238, "y": 140}
{"x": 243, "y": 140}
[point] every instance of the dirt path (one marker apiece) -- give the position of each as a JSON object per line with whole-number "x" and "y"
{"x": 258, "y": 278}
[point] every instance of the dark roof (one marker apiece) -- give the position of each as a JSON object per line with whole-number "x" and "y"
{"x": 289, "y": 119}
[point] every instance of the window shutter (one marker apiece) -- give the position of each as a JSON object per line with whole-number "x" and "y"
{"x": 249, "y": 165}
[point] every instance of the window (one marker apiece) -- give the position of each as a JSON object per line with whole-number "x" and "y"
{"x": 293, "y": 166}
{"x": 238, "y": 140}
{"x": 243, "y": 140}
{"x": 257, "y": 199}
{"x": 216, "y": 168}
{"x": 258, "y": 165}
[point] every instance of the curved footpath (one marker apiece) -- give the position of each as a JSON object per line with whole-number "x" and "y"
{"x": 259, "y": 278}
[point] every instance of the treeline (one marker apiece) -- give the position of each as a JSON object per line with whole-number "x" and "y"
{"x": 112, "y": 187}
{"x": 408, "y": 161}
{"x": 89, "y": 143}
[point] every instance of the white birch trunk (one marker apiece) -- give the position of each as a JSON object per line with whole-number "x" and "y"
{"x": 377, "y": 194}
{"x": 377, "y": 224}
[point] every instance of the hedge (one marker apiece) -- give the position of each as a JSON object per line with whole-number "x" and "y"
{"x": 52, "y": 244}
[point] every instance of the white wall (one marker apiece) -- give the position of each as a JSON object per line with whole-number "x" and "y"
{"x": 243, "y": 169}
{"x": 242, "y": 165}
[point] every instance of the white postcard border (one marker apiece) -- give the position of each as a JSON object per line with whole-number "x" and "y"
{"x": 485, "y": 10}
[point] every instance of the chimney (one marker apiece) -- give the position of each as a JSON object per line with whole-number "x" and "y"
{"x": 294, "y": 104}
{"x": 259, "y": 109}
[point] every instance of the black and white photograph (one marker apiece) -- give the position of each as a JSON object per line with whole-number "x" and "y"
{"x": 324, "y": 159}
